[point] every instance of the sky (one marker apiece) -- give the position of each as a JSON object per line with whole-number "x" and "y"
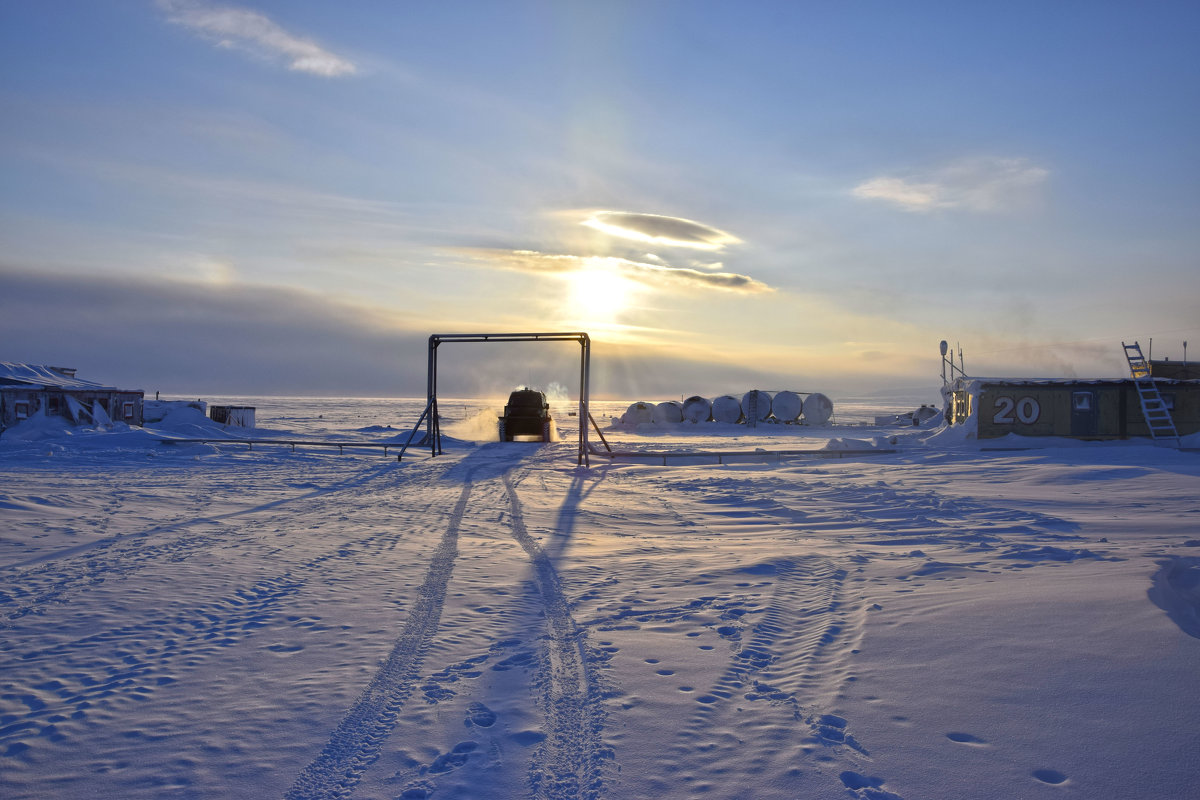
{"x": 290, "y": 197}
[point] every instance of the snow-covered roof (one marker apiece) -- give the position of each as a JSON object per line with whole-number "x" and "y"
{"x": 38, "y": 375}
{"x": 961, "y": 383}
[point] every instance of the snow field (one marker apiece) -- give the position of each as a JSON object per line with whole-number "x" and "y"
{"x": 495, "y": 622}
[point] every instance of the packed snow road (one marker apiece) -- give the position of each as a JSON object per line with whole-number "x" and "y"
{"x": 495, "y": 622}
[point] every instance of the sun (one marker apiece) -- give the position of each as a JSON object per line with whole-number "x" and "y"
{"x": 596, "y": 291}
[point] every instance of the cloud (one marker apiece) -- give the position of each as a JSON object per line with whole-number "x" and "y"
{"x": 981, "y": 185}
{"x": 183, "y": 336}
{"x": 205, "y": 340}
{"x": 908, "y": 195}
{"x": 255, "y": 33}
{"x": 657, "y": 229}
{"x": 651, "y": 274}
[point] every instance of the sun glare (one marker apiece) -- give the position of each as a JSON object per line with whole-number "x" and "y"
{"x": 597, "y": 292}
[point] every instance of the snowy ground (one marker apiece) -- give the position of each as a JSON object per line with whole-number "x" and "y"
{"x": 213, "y": 621}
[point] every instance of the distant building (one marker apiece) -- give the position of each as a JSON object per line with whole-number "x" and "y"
{"x": 1079, "y": 409}
{"x": 28, "y": 389}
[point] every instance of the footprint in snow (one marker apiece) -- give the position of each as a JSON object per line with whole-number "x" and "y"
{"x": 868, "y": 788}
{"x": 519, "y": 660}
{"x": 480, "y": 715}
{"x": 448, "y": 762}
{"x": 1050, "y": 776}
{"x": 528, "y": 738}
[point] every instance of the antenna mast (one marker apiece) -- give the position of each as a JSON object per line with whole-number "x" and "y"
{"x": 948, "y": 360}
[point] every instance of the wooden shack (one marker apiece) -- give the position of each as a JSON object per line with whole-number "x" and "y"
{"x": 29, "y": 389}
{"x": 232, "y": 416}
{"x": 1077, "y": 409}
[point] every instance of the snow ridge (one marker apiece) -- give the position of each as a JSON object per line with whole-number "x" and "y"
{"x": 1176, "y": 590}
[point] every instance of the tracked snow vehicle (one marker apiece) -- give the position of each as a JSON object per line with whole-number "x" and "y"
{"x": 526, "y": 415}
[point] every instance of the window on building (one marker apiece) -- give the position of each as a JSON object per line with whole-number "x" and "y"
{"x": 1082, "y": 401}
{"x": 127, "y": 410}
{"x": 21, "y": 410}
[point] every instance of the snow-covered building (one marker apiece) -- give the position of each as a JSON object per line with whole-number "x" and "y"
{"x": 28, "y": 389}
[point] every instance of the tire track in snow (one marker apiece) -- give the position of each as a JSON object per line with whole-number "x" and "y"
{"x": 791, "y": 654}
{"x": 356, "y": 741}
{"x": 784, "y": 672}
{"x": 812, "y": 655}
{"x": 569, "y": 763}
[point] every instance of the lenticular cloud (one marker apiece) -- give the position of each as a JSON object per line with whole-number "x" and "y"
{"x": 652, "y": 274}
{"x": 657, "y": 229}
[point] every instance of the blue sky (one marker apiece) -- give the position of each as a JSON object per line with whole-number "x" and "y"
{"x": 289, "y": 197}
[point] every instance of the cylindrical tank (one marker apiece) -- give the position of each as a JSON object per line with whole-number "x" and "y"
{"x": 726, "y": 408}
{"x": 756, "y": 404}
{"x": 668, "y": 413}
{"x": 697, "y": 409}
{"x": 786, "y": 406}
{"x": 817, "y": 409}
{"x": 638, "y": 413}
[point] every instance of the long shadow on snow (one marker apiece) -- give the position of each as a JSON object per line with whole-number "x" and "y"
{"x": 570, "y": 761}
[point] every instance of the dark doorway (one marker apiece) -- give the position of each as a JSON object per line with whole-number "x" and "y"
{"x": 1084, "y": 420}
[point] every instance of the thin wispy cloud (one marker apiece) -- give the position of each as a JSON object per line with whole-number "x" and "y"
{"x": 907, "y": 194}
{"x": 251, "y": 32}
{"x": 656, "y": 274}
{"x": 981, "y": 185}
{"x": 660, "y": 230}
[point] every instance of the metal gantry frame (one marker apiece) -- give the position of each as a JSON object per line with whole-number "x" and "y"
{"x": 430, "y": 415}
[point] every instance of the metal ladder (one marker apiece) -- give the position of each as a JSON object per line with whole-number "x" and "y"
{"x": 1158, "y": 416}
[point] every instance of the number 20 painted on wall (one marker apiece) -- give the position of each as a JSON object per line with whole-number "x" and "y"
{"x": 1027, "y": 411}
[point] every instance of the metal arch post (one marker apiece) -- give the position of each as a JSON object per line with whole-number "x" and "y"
{"x": 585, "y": 376}
{"x": 433, "y": 431}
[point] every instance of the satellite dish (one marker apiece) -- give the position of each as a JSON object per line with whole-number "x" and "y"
{"x": 944, "y": 347}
